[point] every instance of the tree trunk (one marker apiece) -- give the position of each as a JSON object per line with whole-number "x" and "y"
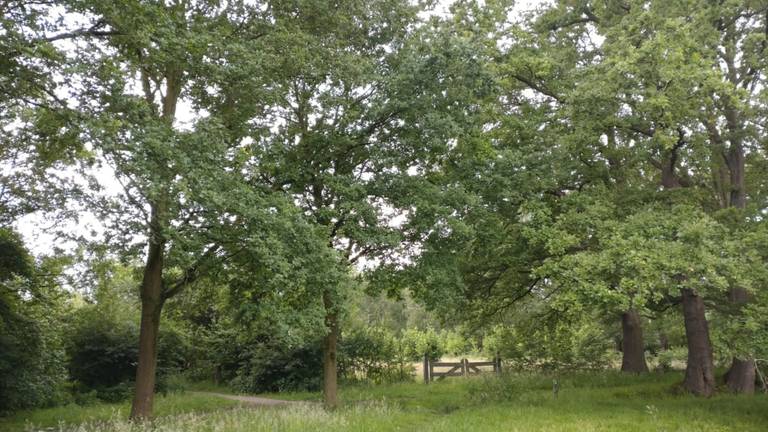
{"x": 633, "y": 358}
{"x": 740, "y": 378}
{"x": 736, "y": 166}
{"x": 669, "y": 178}
{"x": 152, "y": 289}
{"x": 663, "y": 342}
{"x": 699, "y": 372}
{"x": 151, "y": 307}
{"x": 330, "y": 374}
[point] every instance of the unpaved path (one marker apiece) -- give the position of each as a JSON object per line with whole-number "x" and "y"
{"x": 252, "y": 400}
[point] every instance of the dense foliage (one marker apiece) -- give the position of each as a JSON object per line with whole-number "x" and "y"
{"x": 276, "y": 194}
{"x": 31, "y": 343}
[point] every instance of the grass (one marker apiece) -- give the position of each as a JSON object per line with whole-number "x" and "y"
{"x": 63, "y": 417}
{"x": 586, "y": 402}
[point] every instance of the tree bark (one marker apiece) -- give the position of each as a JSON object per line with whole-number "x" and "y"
{"x": 330, "y": 373}
{"x": 151, "y": 307}
{"x": 700, "y": 370}
{"x": 153, "y": 295}
{"x": 633, "y": 358}
{"x": 740, "y": 378}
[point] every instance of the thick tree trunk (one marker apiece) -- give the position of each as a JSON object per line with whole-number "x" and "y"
{"x": 700, "y": 371}
{"x": 740, "y": 378}
{"x": 633, "y": 358}
{"x": 151, "y": 307}
{"x": 330, "y": 372}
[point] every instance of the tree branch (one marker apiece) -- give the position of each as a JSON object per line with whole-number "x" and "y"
{"x": 93, "y": 31}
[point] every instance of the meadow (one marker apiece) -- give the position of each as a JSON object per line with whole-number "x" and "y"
{"x": 604, "y": 401}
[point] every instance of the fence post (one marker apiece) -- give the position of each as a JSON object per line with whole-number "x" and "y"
{"x": 497, "y": 364}
{"x": 426, "y": 369}
{"x": 465, "y": 367}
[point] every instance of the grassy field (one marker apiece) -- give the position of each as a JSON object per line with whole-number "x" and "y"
{"x": 64, "y": 417}
{"x": 586, "y": 402}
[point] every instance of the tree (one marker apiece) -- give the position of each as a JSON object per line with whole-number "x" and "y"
{"x": 621, "y": 113}
{"x": 666, "y": 80}
{"x": 364, "y": 102}
{"x": 137, "y": 135}
{"x": 708, "y": 90}
{"x": 184, "y": 203}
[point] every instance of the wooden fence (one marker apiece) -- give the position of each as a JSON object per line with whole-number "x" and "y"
{"x": 439, "y": 370}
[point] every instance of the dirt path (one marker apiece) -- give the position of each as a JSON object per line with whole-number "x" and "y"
{"x": 252, "y": 400}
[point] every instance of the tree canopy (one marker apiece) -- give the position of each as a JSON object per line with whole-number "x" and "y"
{"x": 583, "y": 165}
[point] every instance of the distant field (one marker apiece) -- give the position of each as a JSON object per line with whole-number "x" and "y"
{"x": 586, "y": 402}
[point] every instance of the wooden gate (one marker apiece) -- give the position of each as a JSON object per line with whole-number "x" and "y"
{"x": 439, "y": 370}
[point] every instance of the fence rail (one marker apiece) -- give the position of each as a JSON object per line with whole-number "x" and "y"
{"x": 460, "y": 368}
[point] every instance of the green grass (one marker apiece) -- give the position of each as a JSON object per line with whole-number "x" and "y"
{"x": 171, "y": 404}
{"x": 586, "y": 402}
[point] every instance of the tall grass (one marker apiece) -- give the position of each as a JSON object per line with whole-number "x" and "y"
{"x": 61, "y": 417}
{"x": 585, "y": 402}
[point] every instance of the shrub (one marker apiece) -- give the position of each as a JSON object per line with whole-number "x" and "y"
{"x": 32, "y": 370}
{"x": 274, "y": 367}
{"x": 375, "y": 354}
{"x": 103, "y": 353}
{"x": 456, "y": 344}
{"x": 667, "y": 359}
{"x": 551, "y": 346}
{"x": 415, "y": 343}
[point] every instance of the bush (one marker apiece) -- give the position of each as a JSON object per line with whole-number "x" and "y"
{"x": 374, "y": 354}
{"x": 667, "y": 359}
{"x": 274, "y": 367}
{"x": 263, "y": 357}
{"x": 551, "y": 345}
{"x": 378, "y": 355}
{"x": 456, "y": 344}
{"x": 103, "y": 353}
{"x": 415, "y": 343}
{"x": 32, "y": 370}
